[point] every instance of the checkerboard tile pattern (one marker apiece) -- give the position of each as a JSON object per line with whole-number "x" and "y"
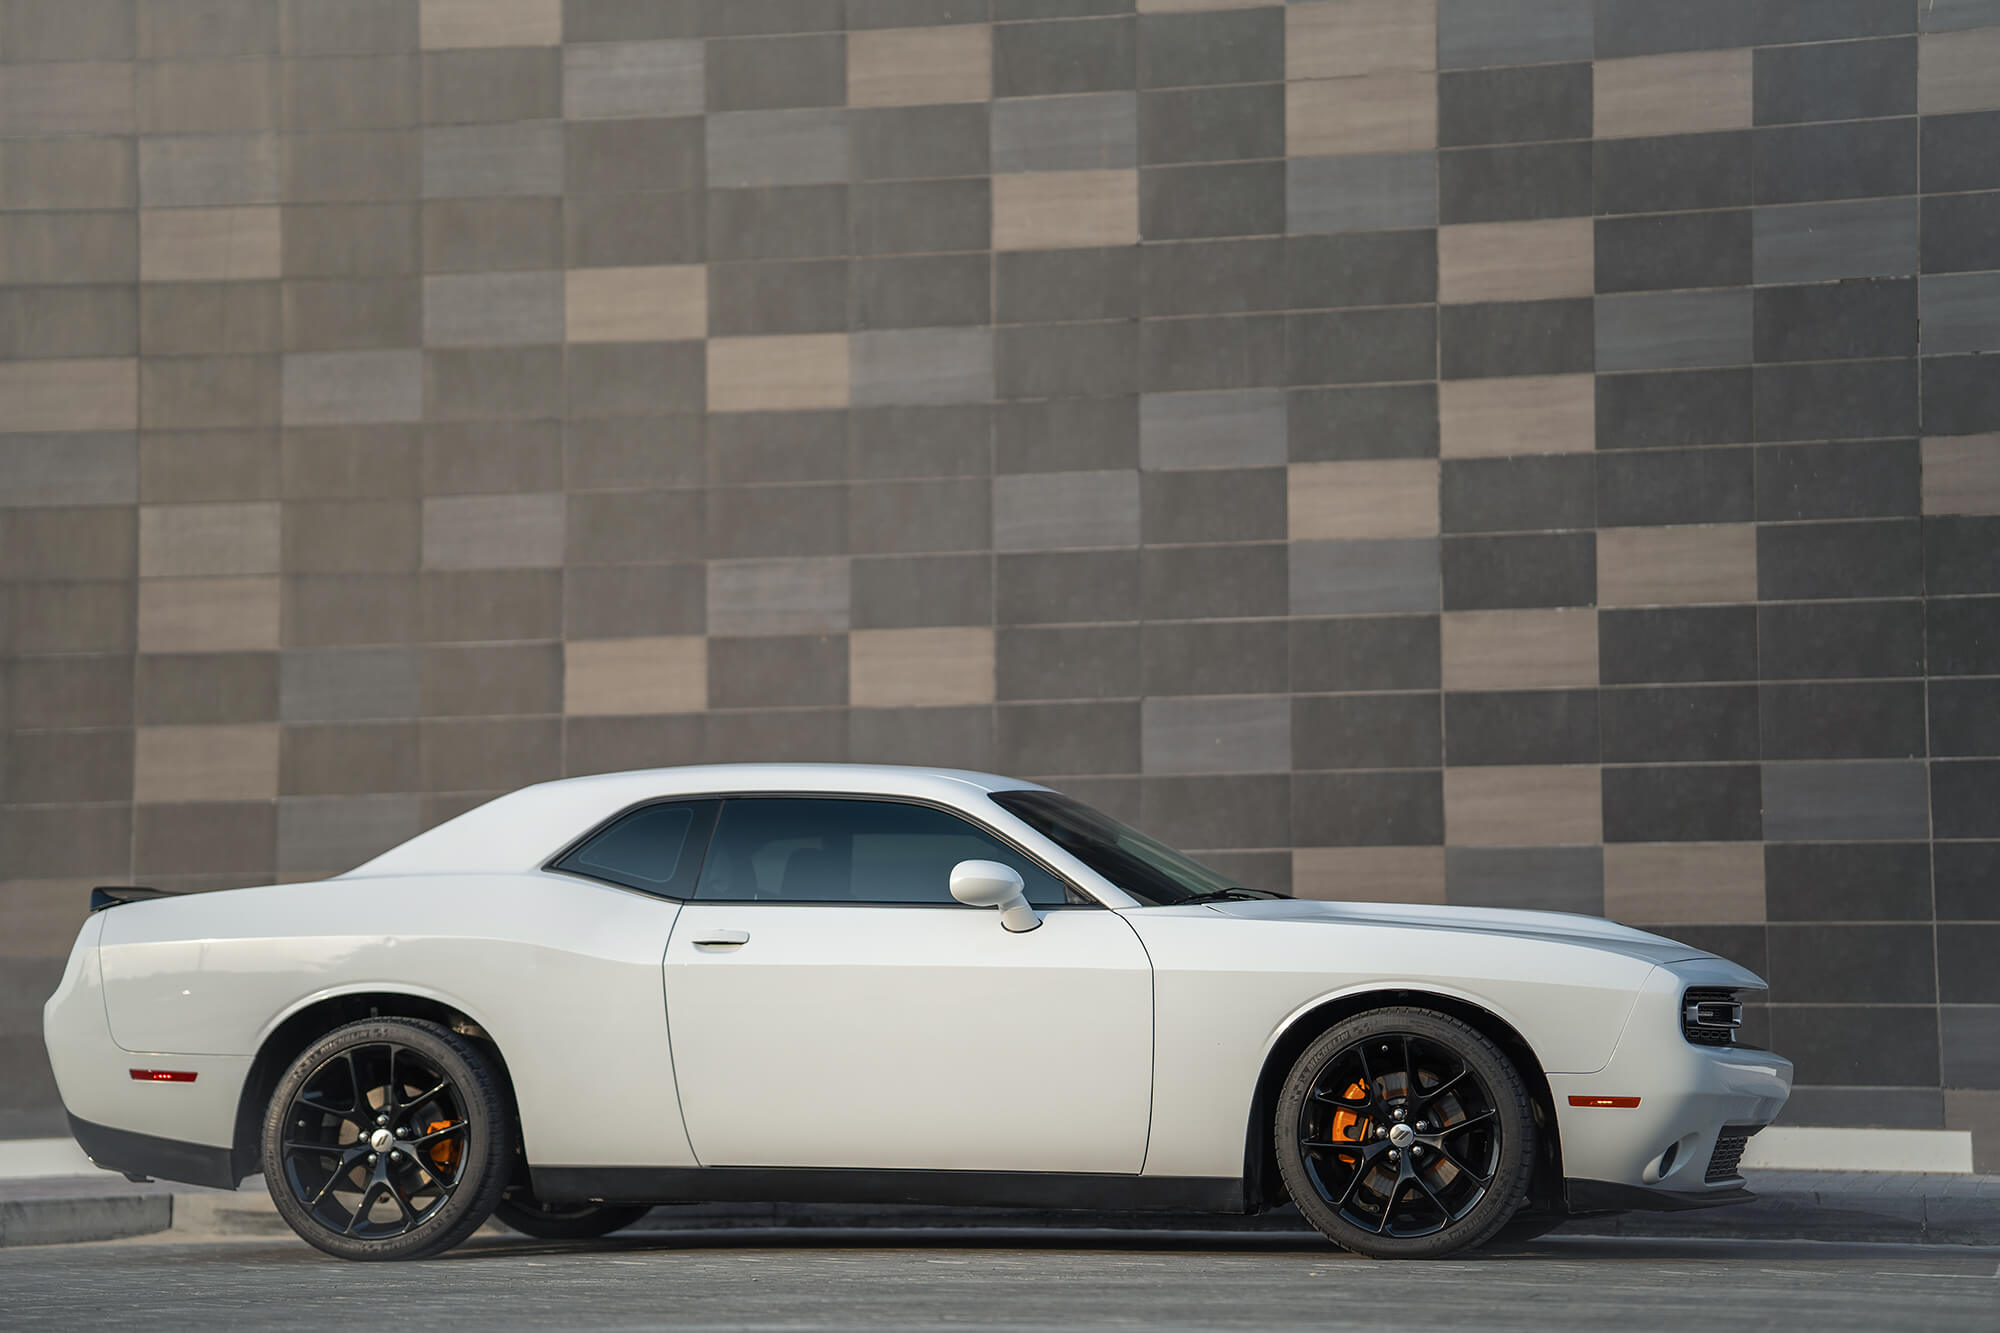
{"x": 1529, "y": 453}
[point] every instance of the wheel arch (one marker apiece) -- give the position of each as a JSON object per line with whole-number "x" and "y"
{"x": 296, "y": 1031}
{"x": 1262, "y": 1185}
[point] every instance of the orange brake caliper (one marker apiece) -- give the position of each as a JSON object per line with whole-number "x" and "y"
{"x": 445, "y": 1151}
{"x": 1350, "y": 1126}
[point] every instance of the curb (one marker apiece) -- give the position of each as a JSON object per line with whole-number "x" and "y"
{"x": 67, "y": 1219}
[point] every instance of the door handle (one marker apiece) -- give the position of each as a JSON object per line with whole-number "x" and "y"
{"x": 722, "y": 939}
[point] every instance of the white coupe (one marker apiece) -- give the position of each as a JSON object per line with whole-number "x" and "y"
{"x": 869, "y": 984}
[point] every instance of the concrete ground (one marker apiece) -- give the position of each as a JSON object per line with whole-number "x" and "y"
{"x": 995, "y": 1279}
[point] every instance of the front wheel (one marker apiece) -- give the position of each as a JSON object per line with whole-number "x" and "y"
{"x": 1405, "y": 1133}
{"x": 388, "y": 1139}
{"x": 566, "y": 1221}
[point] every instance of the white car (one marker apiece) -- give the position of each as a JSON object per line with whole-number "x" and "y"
{"x": 866, "y": 984}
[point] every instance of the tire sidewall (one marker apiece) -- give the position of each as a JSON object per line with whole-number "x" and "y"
{"x": 1504, "y": 1196}
{"x": 488, "y": 1145}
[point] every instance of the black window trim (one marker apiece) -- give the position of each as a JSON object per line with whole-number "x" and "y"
{"x": 552, "y": 866}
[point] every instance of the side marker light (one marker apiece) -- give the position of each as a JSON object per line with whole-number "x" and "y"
{"x": 163, "y": 1075}
{"x": 1608, "y": 1103}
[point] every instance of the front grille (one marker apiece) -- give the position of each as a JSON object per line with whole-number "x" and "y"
{"x": 1711, "y": 1016}
{"x": 1728, "y": 1153}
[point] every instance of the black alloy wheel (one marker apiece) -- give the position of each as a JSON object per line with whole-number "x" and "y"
{"x": 565, "y": 1221}
{"x": 388, "y": 1139}
{"x": 1405, "y": 1133}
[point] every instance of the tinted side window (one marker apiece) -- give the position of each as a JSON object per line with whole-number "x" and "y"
{"x": 805, "y": 849}
{"x": 656, "y": 848}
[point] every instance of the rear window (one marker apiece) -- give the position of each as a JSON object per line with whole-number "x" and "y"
{"x": 656, "y": 848}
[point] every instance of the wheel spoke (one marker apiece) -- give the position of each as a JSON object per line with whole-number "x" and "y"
{"x": 1416, "y": 1174}
{"x": 1466, "y": 1123}
{"x": 1444, "y": 1087}
{"x": 334, "y": 1179}
{"x": 1409, "y": 1070}
{"x": 354, "y": 1079}
{"x": 445, "y": 1187}
{"x": 369, "y": 1191}
{"x": 1453, "y": 1158}
{"x": 455, "y": 1127}
{"x": 1389, "y": 1205}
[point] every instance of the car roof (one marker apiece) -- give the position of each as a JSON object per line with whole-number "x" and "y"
{"x": 521, "y": 830}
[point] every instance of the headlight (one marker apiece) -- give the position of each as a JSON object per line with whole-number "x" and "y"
{"x": 1711, "y": 1016}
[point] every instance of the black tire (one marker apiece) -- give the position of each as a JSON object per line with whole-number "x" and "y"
{"x": 566, "y": 1221}
{"x": 431, "y": 1180}
{"x": 1400, "y": 1192}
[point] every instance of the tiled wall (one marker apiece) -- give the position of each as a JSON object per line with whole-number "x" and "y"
{"x": 1524, "y": 452}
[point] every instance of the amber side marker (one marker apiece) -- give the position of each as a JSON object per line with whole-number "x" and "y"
{"x": 1612, "y": 1103}
{"x": 164, "y": 1075}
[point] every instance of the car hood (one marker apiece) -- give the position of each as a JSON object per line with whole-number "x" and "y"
{"x": 1562, "y": 927}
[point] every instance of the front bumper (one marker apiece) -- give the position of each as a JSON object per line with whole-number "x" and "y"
{"x": 1662, "y": 1152}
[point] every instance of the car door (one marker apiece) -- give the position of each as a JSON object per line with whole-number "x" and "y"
{"x": 830, "y": 1005}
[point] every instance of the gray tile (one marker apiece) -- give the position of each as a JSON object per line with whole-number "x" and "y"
{"x": 190, "y": 318}
{"x": 488, "y": 160}
{"x": 954, "y": 440}
{"x": 921, "y": 366}
{"x": 1230, "y": 428}
{"x": 479, "y": 458}
{"x": 641, "y": 452}
{"x": 911, "y": 142}
{"x": 1820, "y": 242}
{"x": 949, "y": 514}
{"x": 1230, "y": 352}
{"x": 1213, "y": 124}
{"x": 1364, "y": 577}
{"x": 1474, "y": 33}
{"x": 1673, "y": 330}
{"x": 351, "y": 240}
{"x": 1065, "y": 510}
{"x": 349, "y": 27}
{"x": 635, "y": 379}
{"x": 331, "y": 388}
{"x": 181, "y": 29}
{"x": 93, "y": 173}
{"x": 342, "y": 93}
{"x": 348, "y": 684}
{"x": 630, "y": 20}
{"x": 911, "y": 217}
{"x": 634, "y": 601}
{"x": 1954, "y": 15}
{"x": 352, "y": 166}
{"x": 921, "y": 291}
{"x": 329, "y": 835}
{"x": 1961, "y": 313}
{"x": 1970, "y": 1041}
{"x": 1069, "y": 662}
{"x": 1542, "y": 879}
{"x": 180, "y": 171}
{"x": 487, "y": 605}
{"x": 66, "y": 99}
{"x": 475, "y": 235}
{"x": 661, "y": 78}
{"x": 69, "y": 30}
{"x": 796, "y": 596}
{"x": 620, "y": 156}
{"x": 794, "y": 147}
{"x": 43, "y": 323}
{"x": 332, "y": 314}
{"x": 787, "y": 296}
{"x": 493, "y": 532}
{"x": 1067, "y": 360}
{"x": 1077, "y": 132}
{"x": 1033, "y": 286}
{"x": 795, "y": 222}
{"x": 69, "y": 247}
{"x": 1373, "y": 193}
{"x": 485, "y": 309}
{"x": 920, "y": 736}
{"x": 1066, "y": 435}
{"x": 1033, "y": 59}
{"x": 916, "y": 591}
{"x": 71, "y": 469}
{"x": 489, "y": 383}
{"x": 1851, "y": 802}
{"x": 1215, "y": 735}
{"x": 630, "y": 527}
{"x": 1213, "y": 505}
{"x": 487, "y": 86}
{"x": 767, "y": 73}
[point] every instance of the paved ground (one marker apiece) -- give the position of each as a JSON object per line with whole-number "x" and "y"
{"x": 996, "y": 1279}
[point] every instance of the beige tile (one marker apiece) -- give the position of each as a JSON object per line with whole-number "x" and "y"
{"x": 195, "y": 539}
{"x": 1055, "y": 210}
{"x": 1678, "y": 882}
{"x": 777, "y": 374}
{"x": 1958, "y": 71}
{"x": 1526, "y": 414}
{"x": 1685, "y": 93}
{"x": 1331, "y": 39}
{"x": 1369, "y": 874}
{"x": 636, "y": 304}
{"x": 1374, "y": 498}
{"x": 460, "y": 23}
{"x": 919, "y": 668}
{"x": 612, "y": 677}
{"x": 234, "y": 763}
{"x": 1676, "y": 566}
{"x": 1516, "y": 261}
{"x": 1519, "y": 650}
{"x": 1523, "y": 807}
{"x": 208, "y": 244}
{"x": 69, "y": 395}
{"x": 920, "y": 66}
{"x": 1375, "y": 113}
{"x": 208, "y": 615}
{"x": 1962, "y": 475}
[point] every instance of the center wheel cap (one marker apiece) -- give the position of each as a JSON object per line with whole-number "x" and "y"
{"x": 382, "y": 1140}
{"x": 1402, "y": 1136}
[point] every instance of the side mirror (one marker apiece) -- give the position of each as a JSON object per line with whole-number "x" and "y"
{"x": 990, "y": 884}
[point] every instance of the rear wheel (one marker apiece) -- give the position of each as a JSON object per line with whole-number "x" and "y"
{"x": 566, "y": 1221}
{"x": 388, "y": 1139}
{"x": 1405, "y": 1133}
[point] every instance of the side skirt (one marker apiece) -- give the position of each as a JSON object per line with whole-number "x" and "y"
{"x": 1604, "y": 1196}
{"x": 145, "y": 1155}
{"x": 975, "y": 1189}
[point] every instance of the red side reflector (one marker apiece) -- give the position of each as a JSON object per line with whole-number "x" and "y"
{"x": 164, "y": 1075}
{"x": 1612, "y": 1103}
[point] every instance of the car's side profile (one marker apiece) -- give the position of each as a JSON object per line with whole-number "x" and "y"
{"x": 842, "y": 982}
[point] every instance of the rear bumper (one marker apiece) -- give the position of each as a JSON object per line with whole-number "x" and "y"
{"x": 163, "y": 1159}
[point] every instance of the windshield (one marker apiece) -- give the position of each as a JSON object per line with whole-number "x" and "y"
{"x": 1150, "y": 871}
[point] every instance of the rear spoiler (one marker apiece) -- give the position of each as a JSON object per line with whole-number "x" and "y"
{"x": 110, "y": 895}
